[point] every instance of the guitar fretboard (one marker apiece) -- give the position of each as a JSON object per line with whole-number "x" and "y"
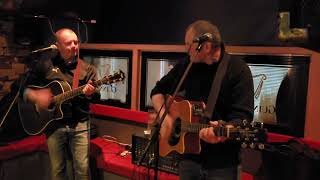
{"x": 67, "y": 95}
{"x": 78, "y": 91}
{"x": 229, "y": 132}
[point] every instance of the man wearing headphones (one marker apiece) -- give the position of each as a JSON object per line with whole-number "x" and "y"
{"x": 219, "y": 157}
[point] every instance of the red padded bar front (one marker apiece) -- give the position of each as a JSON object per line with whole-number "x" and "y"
{"x": 121, "y": 113}
{"x": 24, "y": 146}
{"x": 272, "y": 137}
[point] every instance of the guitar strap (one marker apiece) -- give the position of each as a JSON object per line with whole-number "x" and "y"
{"x": 75, "y": 82}
{"x": 215, "y": 87}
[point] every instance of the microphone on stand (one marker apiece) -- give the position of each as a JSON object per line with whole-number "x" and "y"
{"x": 91, "y": 21}
{"x": 40, "y": 17}
{"x": 51, "y": 47}
{"x": 203, "y": 38}
{"x": 31, "y": 16}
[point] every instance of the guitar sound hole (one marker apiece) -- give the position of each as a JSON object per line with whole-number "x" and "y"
{"x": 175, "y": 135}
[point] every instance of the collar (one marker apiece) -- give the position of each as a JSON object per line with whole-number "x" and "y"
{"x": 60, "y": 62}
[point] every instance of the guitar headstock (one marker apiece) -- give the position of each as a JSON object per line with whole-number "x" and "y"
{"x": 116, "y": 77}
{"x": 252, "y": 135}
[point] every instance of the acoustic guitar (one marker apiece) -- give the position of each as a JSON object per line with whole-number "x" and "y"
{"x": 182, "y": 134}
{"x": 35, "y": 119}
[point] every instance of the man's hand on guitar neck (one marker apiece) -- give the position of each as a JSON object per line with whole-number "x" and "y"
{"x": 208, "y": 135}
{"x": 88, "y": 89}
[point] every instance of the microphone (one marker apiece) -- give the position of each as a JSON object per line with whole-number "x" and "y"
{"x": 203, "y": 38}
{"x": 40, "y": 17}
{"x": 34, "y": 16}
{"x": 91, "y": 21}
{"x": 51, "y": 47}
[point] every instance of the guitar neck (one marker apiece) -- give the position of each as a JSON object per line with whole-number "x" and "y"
{"x": 73, "y": 93}
{"x": 67, "y": 95}
{"x": 194, "y": 127}
{"x": 222, "y": 131}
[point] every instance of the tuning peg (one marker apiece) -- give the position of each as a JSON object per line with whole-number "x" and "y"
{"x": 261, "y": 125}
{"x": 254, "y": 123}
{"x": 261, "y": 146}
{"x": 244, "y": 145}
{"x": 252, "y": 145}
{"x": 244, "y": 122}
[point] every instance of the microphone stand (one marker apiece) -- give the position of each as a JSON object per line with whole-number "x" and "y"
{"x": 22, "y": 81}
{"x": 156, "y": 130}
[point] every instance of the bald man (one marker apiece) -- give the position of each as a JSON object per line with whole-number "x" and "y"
{"x": 68, "y": 135}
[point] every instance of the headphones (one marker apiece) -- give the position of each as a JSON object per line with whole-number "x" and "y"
{"x": 201, "y": 39}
